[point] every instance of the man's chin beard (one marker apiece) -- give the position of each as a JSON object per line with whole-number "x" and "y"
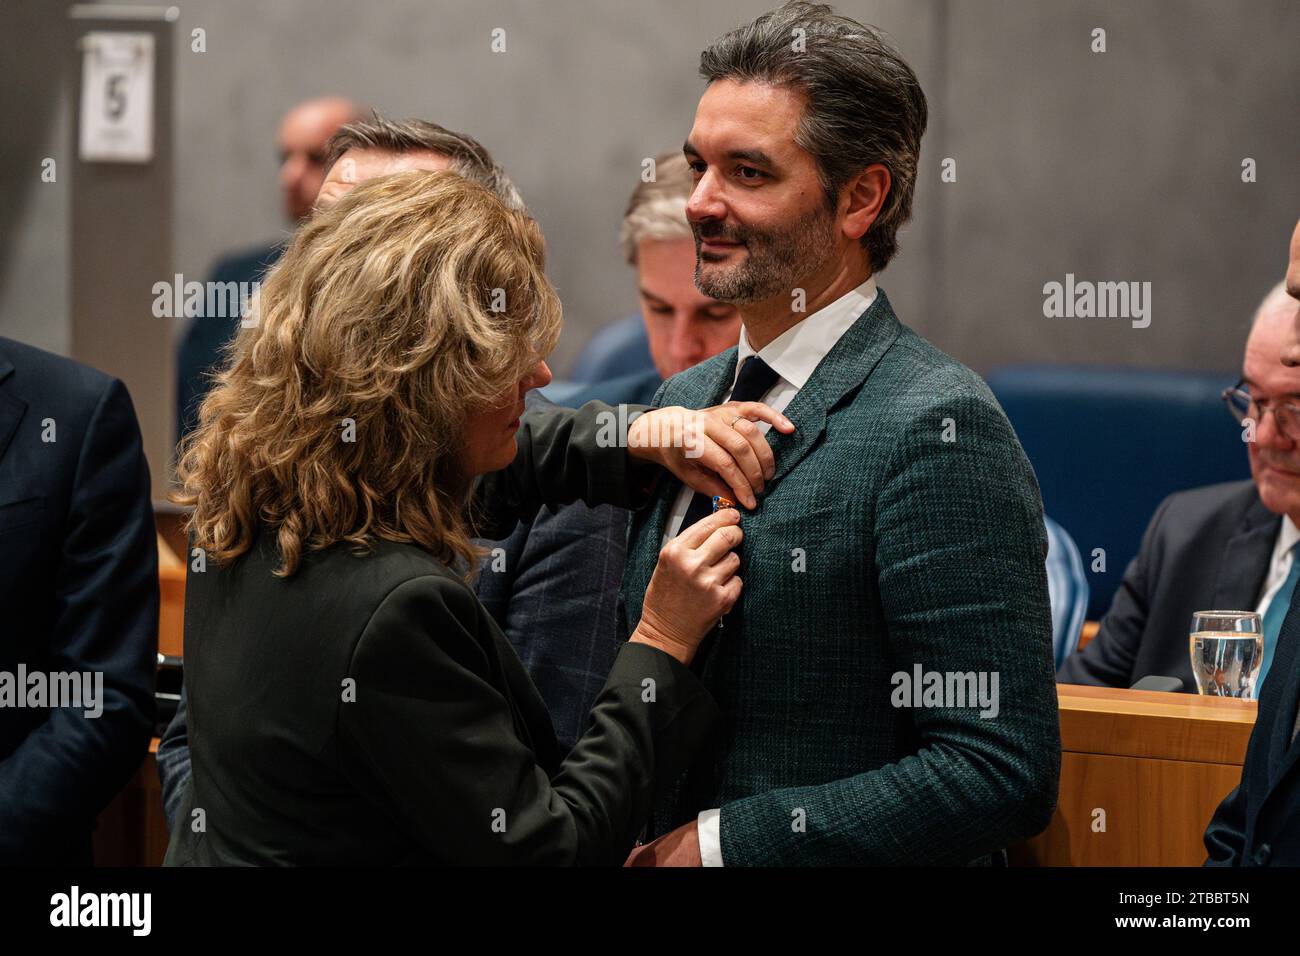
{"x": 735, "y": 286}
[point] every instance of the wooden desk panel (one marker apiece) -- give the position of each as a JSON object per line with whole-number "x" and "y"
{"x": 171, "y": 605}
{"x": 1158, "y": 765}
{"x": 1144, "y": 723}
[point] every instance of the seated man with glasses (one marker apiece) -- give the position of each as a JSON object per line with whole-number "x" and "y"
{"x": 1228, "y": 546}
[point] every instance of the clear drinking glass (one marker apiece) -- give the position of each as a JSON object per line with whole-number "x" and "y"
{"x": 1227, "y": 649}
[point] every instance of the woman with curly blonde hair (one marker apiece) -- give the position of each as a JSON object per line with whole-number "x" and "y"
{"x": 350, "y": 701}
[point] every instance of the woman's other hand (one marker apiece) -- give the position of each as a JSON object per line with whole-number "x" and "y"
{"x": 693, "y": 585}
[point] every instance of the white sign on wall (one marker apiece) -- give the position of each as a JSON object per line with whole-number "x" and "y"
{"x": 117, "y": 97}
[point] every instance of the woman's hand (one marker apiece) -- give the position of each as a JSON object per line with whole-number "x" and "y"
{"x": 693, "y": 585}
{"x": 718, "y": 450}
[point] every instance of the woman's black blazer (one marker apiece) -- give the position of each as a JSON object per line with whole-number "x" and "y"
{"x": 368, "y": 710}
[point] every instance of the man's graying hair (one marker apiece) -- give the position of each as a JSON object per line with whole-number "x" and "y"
{"x": 864, "y": 103}
{"x": 1277, "y": 298}
{"x": 469, "y": 158}
{"x": 657, "y": 209}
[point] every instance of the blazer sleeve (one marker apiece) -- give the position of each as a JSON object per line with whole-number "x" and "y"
{"x": 960, "y": 551}
{"x": 71, "y": 766}
{"x": 564, "y": 455}
{"x": 1109, "y": 658}
{"x": 431, "y": 738}
{"x": 557, "y": 604}
{"x": 173, "y": 759}
{"x": 1225, "y": 837}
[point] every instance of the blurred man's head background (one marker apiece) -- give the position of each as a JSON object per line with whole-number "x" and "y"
{"x": 304, "y": 133}
{"x": 684, "y": 325}
{"x": 1291, "y": 355}
{"x": 367, "y": 148}
{"x": 1274, "y": 390}
{"x": 356, "y": 151}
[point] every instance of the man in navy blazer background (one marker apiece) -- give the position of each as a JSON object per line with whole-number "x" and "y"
{"x": 79, "y": 588}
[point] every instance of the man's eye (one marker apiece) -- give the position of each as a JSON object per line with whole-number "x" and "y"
{"x": 745, "y": 170}
{"x": 661, "y": 309}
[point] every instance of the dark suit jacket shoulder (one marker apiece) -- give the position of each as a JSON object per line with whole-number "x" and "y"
{"x": 368, "y": 710}
{"x": 1205, "y": 548}
{"x": 637, "y": 388}
{"x": 552, "y": 586}
{"x": 79, "y": 588}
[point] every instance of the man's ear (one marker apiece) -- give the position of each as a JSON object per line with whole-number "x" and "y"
{"x": 864, "y": 196}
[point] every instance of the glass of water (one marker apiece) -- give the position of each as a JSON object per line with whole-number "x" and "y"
{"x": 1227, "y": 648}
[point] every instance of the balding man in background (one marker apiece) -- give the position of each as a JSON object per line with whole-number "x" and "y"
{"x": 304, "y": 133}
{"x": 1229, "y": 545}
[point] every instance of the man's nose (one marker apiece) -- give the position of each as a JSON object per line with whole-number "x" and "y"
{"x": 686, "y": 345}
{"x": 706, "y": 200}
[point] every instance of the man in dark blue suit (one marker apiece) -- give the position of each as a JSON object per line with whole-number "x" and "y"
{"x": 79, "y": 588}
{"x": 552, "y": 586}
{"x": 1258, "y": 824}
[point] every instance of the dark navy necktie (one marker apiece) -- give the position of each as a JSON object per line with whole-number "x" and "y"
{"x": 755, "y": 379}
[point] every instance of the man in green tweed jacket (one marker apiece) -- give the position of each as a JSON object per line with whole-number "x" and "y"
{"x": 886, "y": 679}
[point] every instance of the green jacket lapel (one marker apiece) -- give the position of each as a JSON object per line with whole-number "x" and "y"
{"x": 845, "y": 367}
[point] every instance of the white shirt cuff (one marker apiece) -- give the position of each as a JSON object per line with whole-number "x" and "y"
{"x": 709, "y": 824}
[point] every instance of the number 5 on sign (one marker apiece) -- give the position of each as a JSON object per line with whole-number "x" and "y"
{"x": 117, "y": 97}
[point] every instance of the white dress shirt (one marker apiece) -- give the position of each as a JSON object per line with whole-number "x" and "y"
{"x": 1279, "y": 567}
{"x": 794, "y": 355}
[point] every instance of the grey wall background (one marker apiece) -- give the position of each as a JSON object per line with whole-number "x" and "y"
{"x": 1123, "y": 165}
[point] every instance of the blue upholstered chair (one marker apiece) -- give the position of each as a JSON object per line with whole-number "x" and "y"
{"x": 1067, "y": 585}
{"x": 1108, "y": 445}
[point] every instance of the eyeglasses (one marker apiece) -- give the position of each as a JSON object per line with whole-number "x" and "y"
{"x": 1285, "y": 416}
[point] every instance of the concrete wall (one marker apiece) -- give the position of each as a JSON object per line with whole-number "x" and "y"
{"x": 1123, "y": 165}
{"x": 34, "y": 215}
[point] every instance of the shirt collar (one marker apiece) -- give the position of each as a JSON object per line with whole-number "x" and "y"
{"x": 796, "y": 352}
{"x": 1287, "y": 537}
